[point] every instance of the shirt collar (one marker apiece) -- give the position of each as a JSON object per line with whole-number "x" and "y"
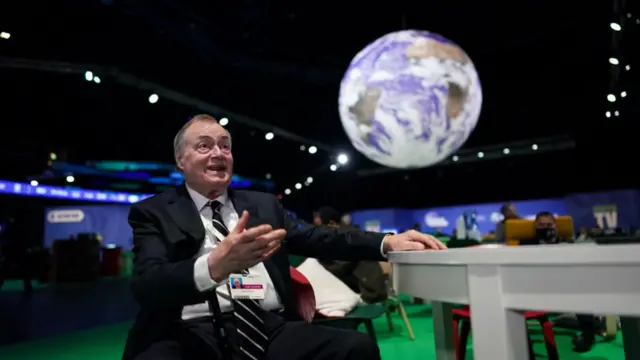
{"x": 201, "y": 201}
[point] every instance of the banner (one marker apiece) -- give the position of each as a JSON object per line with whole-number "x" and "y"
{"x": 444, "y": 219}
{"x": 607, "y": 210}
{"x": 488, "y": 215}
{"x": 108, "y": 220}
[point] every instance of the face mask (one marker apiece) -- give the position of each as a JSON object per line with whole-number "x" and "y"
{"x": 545, "y": 234}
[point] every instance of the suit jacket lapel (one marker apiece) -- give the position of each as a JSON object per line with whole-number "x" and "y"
{"x": 242, "y": 203}
{"x": 186, "y": 216}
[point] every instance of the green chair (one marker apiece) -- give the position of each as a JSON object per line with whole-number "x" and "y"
{"x": 361, "y": 315}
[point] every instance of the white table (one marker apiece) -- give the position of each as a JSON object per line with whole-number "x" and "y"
{"x": 500, "y": 282}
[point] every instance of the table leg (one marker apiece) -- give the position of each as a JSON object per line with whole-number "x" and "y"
{"x": 631, "y": 337}
{"x": 443, "y": 330}
{"x": 498, "y": 333}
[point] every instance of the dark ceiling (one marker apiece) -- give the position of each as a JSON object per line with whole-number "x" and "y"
{"x": 543, "y": 67}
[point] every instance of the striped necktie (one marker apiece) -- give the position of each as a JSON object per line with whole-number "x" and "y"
{"x": 252, "y": 340}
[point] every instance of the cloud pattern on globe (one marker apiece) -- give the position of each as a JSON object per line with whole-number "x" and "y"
{"x": 410, "y": 99}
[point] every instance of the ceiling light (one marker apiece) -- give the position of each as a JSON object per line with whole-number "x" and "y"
{"x": 5, "y": 35}
{"x": 268, "y": 136}
{"x": 153, "y": 98}
{"x": 298, "y": 186}
{"x": 343, "y": 159}
{"x": 223, "y": 122}
{"x": 333, "y": 167}
{"x": 313, "y": 149}
{"x": 287, "y": 191}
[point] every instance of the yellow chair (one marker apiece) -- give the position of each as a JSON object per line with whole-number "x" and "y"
{"x": 521, "y": 229}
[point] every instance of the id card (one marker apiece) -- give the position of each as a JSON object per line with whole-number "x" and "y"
{"x": 246, "y": 287}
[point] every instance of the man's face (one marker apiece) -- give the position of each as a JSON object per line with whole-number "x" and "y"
{"x": 317, "y": 221}
{"x": 545, "y": 222}
{"x": 206, "y": 160}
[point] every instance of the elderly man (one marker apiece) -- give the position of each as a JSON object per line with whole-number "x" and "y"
{"x": 190, "y": 240}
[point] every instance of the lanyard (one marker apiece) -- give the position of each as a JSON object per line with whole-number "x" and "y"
{"x": 218, "y": 322}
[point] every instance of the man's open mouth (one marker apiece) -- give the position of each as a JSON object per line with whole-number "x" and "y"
{"x": 217, "y": 168}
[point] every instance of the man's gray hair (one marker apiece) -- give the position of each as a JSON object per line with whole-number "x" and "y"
{"x": 179, "y": 140}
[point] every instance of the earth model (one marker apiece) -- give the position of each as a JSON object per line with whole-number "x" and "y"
{"x": 410, "y": 99}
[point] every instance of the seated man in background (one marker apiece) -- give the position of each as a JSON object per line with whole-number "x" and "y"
{"x": 508, "y": 212}
{"x": 363, "y": 277}
{"x": 546, "y": 230}
{"x": 546, "y": 234}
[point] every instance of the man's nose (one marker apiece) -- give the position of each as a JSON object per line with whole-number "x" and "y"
{"x": 216, "y": 151}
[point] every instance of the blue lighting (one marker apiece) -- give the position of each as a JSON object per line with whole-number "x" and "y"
{"x": 59, "y": 192}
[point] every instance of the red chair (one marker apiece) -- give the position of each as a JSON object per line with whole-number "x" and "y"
{"x": 462, "y": 329}
{"x": 304, "y": 296}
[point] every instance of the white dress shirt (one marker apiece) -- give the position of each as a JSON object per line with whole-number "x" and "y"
{"x": 202, "y": 279}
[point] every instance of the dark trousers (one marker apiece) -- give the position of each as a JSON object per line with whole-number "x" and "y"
{"x": 587, "y": 324}
{"x": 195, "y": 340}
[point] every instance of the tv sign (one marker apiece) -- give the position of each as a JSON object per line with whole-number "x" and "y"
{"x": 606, "y": 216}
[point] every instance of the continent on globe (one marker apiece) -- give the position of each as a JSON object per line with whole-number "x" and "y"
{"x": 364, "y": 109}
{"x": 426, "y": 48}
{"x": 410, "y": 99}
{"x": 456, "y": 95}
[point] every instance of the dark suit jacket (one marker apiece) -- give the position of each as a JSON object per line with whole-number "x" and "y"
{"x": 168, "y": 233}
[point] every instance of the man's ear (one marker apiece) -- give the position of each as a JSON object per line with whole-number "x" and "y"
{"x": 179, "y": 162}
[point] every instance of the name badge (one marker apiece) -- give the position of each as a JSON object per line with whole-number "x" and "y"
{"x": 246, "y": 287}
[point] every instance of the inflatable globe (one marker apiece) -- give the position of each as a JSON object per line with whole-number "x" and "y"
{"x": 410, "y": 99}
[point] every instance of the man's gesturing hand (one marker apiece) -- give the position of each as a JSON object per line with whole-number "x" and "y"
{"x": 243, "y": 248}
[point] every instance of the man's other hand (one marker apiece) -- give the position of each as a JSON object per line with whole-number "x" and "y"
{"x": 411, "y": 240}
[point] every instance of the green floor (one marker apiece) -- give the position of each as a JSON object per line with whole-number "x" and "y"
{"x": 107, "y": 342}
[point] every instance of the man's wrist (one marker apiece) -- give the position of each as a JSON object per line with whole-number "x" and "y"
{"x": 385, "y": 243}
{"x": 384, "y": 246}
{"x": 214, "y": 261}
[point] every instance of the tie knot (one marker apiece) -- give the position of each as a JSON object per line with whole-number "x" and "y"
{"x": 215, "y": 205}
